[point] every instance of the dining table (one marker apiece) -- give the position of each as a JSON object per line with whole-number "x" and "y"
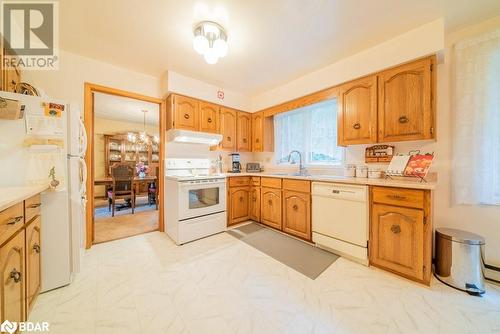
{"x": 140, "y": 184}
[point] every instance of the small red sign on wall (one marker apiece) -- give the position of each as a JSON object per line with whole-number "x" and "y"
{"x": 220, "y": 95}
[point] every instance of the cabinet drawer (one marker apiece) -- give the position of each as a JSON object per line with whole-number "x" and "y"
{"x": 297, "y": 185}
{"x": 255, "y": 181}
{"x": 32, "y": 207}
{"x": 270, "y": 182}
{"x": 11, "y": 220}
{"x": 412, "y": 198}
{"x": 239, "y": 181}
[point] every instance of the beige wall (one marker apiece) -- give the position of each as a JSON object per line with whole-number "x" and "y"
{"x": 103, "y": 127}
{"x": 67, "y": 83}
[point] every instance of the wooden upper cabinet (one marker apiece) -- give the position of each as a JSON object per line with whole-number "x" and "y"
{"x": 209, "y": 117}
{"x": 357, "y": 117}
{"x": 186, "y": 113}
{"x": 244, "y": 131}
{"x": 270, "y": 209}
{"x": 297, "y": 214}
{"x": 12, "y": 284}
{"x": 257, "y": 132}
{"x": 228, "y": 128}
{"x": 397, "y": 240}
{"x": 405, "y": 102}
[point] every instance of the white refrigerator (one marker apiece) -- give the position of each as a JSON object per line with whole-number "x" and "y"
{"x": 63, "y": 210}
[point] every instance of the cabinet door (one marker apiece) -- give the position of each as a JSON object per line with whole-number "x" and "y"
{"x": 405, "y": 109}
{"x": 240, "y": 200}
{"x": 396, "y": 240}
{"x": 228, "y": 129}
{"x": 186, "y": 112}
{"x": 244, "y": 131}
{"x": 270, "y": 207}
{"x": 33, "y": 273}
{"x": 255, "y": 204}
{"x": 209, "y": 117}
{"x": 357, "y": 118}
{"x": 257, "y": 132}
{"x": 12, "y": 285}
{"x": 297, "y": 214}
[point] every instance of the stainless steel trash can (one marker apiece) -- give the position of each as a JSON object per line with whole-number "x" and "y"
{"x": 459, "y": 260}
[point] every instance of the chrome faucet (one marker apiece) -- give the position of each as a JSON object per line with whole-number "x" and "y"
{"x": 302, "y": 169}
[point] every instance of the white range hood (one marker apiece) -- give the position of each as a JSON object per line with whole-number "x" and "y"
{"x": 193, "y": 137}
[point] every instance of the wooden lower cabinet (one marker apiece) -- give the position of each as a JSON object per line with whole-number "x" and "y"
{"x": 33, "y": 263}
{"x": 297, "y": 214}
{"x": 270, "y": 208}
{"x": 239, "y": 199}
{"x": 255, "y": 204}
{"x": 401, "y": 235}
{"x": 13, "y": 280}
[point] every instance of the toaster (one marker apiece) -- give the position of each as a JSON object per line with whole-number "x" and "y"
{"x": 253, "y": 167}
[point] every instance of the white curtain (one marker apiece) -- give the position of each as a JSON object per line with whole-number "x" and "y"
{"x": 476, "y": 107}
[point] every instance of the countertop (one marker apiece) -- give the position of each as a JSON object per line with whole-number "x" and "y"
{"x": 13, "y": 195}
{"x": 399, "y": 182}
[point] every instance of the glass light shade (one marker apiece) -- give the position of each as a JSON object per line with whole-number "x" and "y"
{"x": 211, "y": 56}
{"x": 131, "y": 137}
{"x": 200, "y": 44}
{"x": 220, "y": 47}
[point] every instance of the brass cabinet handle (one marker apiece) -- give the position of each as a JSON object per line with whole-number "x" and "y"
{"x": 397, "y": 197}
{"x": 403, "y": 119}
{"x": 335, "y": 191}
{"x": 255, "y": 199}
{"x": 241, "y": 199}
{"x": 15, "y": 275}
{"x": 15, "y": 220}
{"x": 257, "y": 140}
{"x": 228, "y": 138}
{"x": 270, "y": 202}
{"x": 34, "y": 206}
{"x": 244, "y": 140}
{"x": 396, "y": 229}
{"x": 357, "y": 126}
{"x": 209, "y": 120}
{"x": 295, "y": 207}
{"x": 186, "y": 116}
{"x": 36, "y": 248}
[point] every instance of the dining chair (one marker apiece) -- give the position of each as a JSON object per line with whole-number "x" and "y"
{"x": 123, "y": 185}
{"x": 153, "y": 191}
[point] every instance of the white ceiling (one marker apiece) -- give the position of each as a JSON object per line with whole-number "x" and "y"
{"x": 125, "y": 109}
{"x": 270, "y": 41}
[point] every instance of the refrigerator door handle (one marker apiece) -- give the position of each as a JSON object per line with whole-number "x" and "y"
{"x": 83, "y": 184}
{"x": 83, "y": 136}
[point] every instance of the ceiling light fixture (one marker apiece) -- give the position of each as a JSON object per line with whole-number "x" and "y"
{"x": 210, "y": 40}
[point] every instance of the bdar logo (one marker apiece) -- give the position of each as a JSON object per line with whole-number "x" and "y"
{"x": 8, "y": 327}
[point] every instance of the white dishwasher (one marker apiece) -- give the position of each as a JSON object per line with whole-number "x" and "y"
{"x": 340, "y": 219}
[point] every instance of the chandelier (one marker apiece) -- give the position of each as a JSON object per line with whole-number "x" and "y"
{"x": 210, "y": 40}
{"x": 142, "y": 137}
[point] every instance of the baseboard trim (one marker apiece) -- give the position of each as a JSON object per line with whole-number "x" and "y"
{"x": 492, "y": 273}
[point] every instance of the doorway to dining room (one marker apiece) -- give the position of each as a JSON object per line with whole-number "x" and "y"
{"x": 125, "y": 166}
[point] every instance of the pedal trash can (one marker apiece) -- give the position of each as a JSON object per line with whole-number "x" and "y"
{"x": 459, "y": 260}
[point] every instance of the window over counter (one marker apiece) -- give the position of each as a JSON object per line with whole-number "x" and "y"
{"x": 312, "y": 130}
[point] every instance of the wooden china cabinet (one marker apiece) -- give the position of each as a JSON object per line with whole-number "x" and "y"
{"x": 119, "y": 149}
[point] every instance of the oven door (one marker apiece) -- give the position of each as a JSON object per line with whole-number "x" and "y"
{"x": 201, "y": 198}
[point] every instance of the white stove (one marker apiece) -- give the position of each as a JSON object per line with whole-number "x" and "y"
{"x": 195, "y": 202}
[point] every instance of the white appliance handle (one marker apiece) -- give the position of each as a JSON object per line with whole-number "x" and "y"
{"x": 83, "y": 184}
{"x": 201, "y": 185}
{"x": 83, "y": 136}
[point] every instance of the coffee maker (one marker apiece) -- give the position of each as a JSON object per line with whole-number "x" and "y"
{"x": 235, "y": 163}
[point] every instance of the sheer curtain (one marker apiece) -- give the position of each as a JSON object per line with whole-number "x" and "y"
{"x": 476, "y": 137}
{"x": 312, "y": 130}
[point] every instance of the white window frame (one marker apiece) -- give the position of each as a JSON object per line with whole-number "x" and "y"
{"x": 307, "y": 151}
